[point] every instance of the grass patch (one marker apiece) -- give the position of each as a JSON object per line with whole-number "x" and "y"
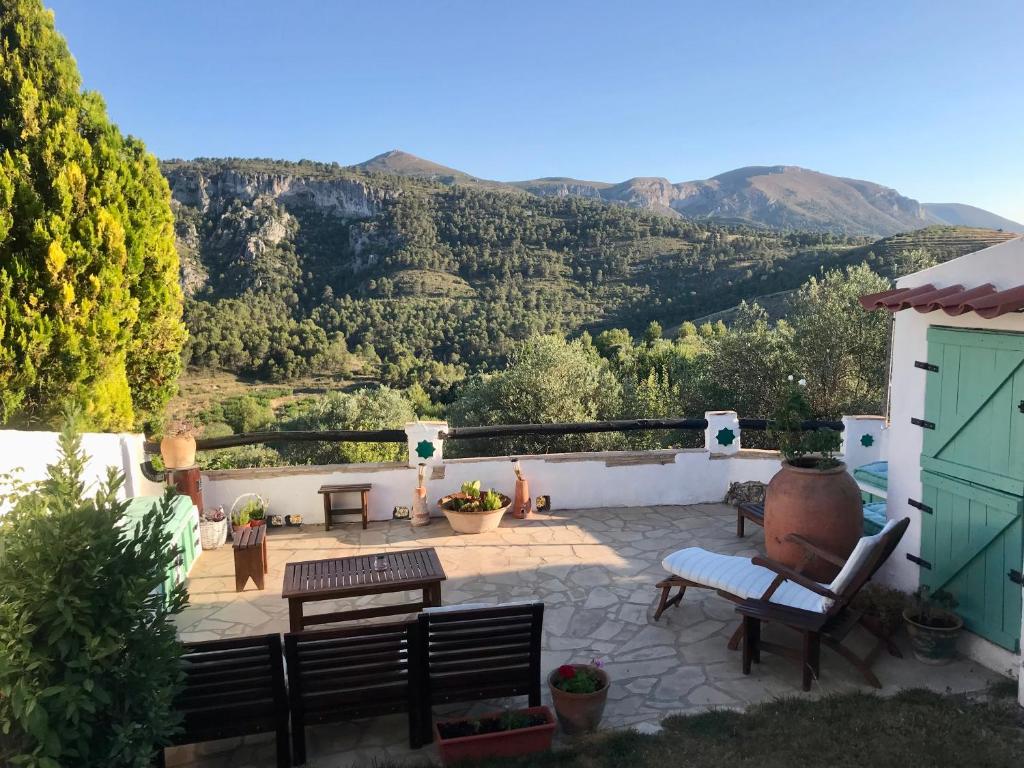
{"x": 912, "y": 728}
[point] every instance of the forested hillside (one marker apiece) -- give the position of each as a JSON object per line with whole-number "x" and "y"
{"x": 293, "y": 268}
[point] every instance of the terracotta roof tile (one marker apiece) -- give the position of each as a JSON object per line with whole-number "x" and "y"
{"x": 953, "y": 300}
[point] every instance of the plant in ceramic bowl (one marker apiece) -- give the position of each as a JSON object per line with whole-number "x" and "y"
{"x": 932, "y": 625}
{"x": 474, "y": 511}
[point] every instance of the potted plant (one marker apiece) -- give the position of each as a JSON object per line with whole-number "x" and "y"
{"x": 932, "y": 625}
{"x": 498, "y": 734}
{"x": 213, "y": 528}
{"x": 257, "y": 513}
{"x": 239, "y": 520}
{"x": 881, "y": 608}
{"x": 579, "y": 693}
{"x": 178, "y": 445}
{"x": 473, "y": 511}
{"x": 812, "y": 494}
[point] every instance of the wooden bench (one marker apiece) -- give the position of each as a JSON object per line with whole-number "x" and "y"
{"x": 330, "y": 511}
{"x": 233, "y": 688}
{"x": 477, "y": 653}
{"x": 250, "y": 550}
{"x": 751, "y": 511}
{"x": 347, "y": 674}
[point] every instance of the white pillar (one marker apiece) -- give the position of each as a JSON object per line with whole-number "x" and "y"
{"x": 723, "y": 433}
{"x": 864, "y": 440}
{"x": 425, "y": 444}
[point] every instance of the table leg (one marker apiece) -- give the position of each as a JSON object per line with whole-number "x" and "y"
{"x": 432, "y": 595}
{"x": 327, "y": 511}
{"x": 365, "y": 504}
{"x": 294, "y": 615}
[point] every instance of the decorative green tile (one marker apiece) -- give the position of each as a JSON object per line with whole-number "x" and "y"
{"x": 725, "y": 436}
{"x": 424, "y": 449}
{"x": 867, "y": 441}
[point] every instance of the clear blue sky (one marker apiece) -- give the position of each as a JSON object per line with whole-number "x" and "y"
{"x": 922, "y": 96}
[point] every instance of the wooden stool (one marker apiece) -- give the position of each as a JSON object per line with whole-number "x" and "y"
{"x": 363, "y": 489}
{"x": 250, "y": 549}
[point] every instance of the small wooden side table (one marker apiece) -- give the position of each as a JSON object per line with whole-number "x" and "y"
{"x": 363, "y": 489}
{"x": 250, "y": 552}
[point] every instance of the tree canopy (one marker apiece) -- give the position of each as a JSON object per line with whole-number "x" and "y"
{"x": 90, "y": 306}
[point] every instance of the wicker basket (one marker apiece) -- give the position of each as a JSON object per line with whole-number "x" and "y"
{"x": 213, "y": 533}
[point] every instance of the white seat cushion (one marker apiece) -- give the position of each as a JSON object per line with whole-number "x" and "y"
{"x": 740, "y": 577}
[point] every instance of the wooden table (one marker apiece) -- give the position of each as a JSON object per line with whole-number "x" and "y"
{"x": 313, "y": 580}
{"x": 363, "y": 489}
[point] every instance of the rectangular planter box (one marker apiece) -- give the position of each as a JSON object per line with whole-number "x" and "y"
{"x": 522, "y": 741}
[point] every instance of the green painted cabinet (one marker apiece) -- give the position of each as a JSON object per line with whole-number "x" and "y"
{"x": 973, "y": 477}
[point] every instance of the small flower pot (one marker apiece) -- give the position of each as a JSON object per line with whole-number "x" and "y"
{"x": 934, "y": 643}
{"x": 257, "y": 523}
{"x": 500, "y": 743}
{"x": 579, "y": 712}
{"x": 473, "y": 522}
{"x": 235, "y": 529}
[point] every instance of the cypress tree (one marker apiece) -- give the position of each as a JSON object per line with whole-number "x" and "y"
{"x": 90, "y": 306}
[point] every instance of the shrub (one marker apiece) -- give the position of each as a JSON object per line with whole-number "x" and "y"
{"x": 88, "y": 653}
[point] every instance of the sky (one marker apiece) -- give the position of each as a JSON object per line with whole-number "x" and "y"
{"x": 925, "y": 97}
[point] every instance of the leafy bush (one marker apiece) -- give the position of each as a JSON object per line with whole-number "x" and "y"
{"x": 88, "y": 653}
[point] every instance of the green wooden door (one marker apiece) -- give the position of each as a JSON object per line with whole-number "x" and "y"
{"x": 973, "y": 539}
{"x": 973, "y": 477}
{"x": 974, "y": 400}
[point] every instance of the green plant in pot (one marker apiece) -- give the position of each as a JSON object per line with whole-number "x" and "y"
{"x": 882, "y": 607}
{"x": 472, "y": 510}
{"x": 579, "y": 693}
{"x": 256, "y": 511}
{"x": 933, "y": 626}
{"x": 812, "y": 495}
{"x": 239, "y": 519}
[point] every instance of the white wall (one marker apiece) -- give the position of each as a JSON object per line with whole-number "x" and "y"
{"x": 574, "y": 481}
{"x": 1002, "y": 265}
{"x": 33, "y": 452}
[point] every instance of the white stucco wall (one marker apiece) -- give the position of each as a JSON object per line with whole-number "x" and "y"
{"x": 30, "y": 453}
{"x": 1002, "y": 265}
{"x": 574, "y": 481}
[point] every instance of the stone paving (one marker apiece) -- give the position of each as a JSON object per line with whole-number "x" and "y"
{"x": 595, "y": 570}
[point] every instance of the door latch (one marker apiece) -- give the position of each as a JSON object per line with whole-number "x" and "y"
{"x": 1020, "y": 407}
{"x": 1015, "y": 577}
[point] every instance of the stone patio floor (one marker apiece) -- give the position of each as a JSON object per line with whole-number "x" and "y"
{"x": 595, "y": 570}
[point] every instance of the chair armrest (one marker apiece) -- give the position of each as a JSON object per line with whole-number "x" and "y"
{"x": 790, "y": 575}
{"x": 814, "y": 549}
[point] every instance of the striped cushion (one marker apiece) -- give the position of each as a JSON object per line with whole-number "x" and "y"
{"x": 740, "y": 577}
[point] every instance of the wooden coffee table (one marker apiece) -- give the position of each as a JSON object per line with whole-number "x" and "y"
{"x": 375, "y": 574}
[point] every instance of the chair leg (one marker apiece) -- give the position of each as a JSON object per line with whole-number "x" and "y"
{"x": 863, "y": 666}
{"x": 298, "y": 740}
{"x": 737, "y": 637}
{"x": 751, "y": 642}
{"x": 810, "y": 662}
{"x": 284, "y": 753}
{"x": 739, "y": 523}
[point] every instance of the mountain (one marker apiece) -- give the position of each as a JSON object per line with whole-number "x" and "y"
{"x": 961, "y": 215}
{"x": 776, "y": 196}
{"x": 291, "y": 268}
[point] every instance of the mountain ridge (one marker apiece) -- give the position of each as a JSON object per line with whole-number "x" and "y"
{"x": 778, "y": 196}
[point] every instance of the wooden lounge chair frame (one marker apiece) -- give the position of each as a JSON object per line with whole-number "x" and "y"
{"x": 829, "y": 627}
{"x": 478, "y": 653}
{"x": 233, "y": 688}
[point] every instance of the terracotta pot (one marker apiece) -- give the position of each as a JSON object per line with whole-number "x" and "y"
{"x": 522, "y": 503}
{"x": 236, "y": 528}
{"x": 257, "y": 523}
{"x": 579, "y": 712}
{"x": 521, "y": 741}
{"x": 934, "y": 644}
{"x": 178, "y": 451}
{"x": 822, "y": 505}
{"x": 473, "y": 522}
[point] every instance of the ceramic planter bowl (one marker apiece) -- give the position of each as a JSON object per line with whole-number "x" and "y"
{"x": 579, "y": 712}
{"x": 933, "y": 644}
{"x": 473, "y": 522}
{"x": 822, "y": 505}
{"x": 512, "y": 743}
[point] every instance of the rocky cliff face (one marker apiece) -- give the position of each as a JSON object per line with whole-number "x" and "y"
{"x": 215, "y": 191}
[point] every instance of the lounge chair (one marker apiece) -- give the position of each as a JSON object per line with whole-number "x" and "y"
{"x": 769, "y": 591}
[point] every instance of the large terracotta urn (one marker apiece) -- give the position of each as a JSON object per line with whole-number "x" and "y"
{"x": 822, "y": 505}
